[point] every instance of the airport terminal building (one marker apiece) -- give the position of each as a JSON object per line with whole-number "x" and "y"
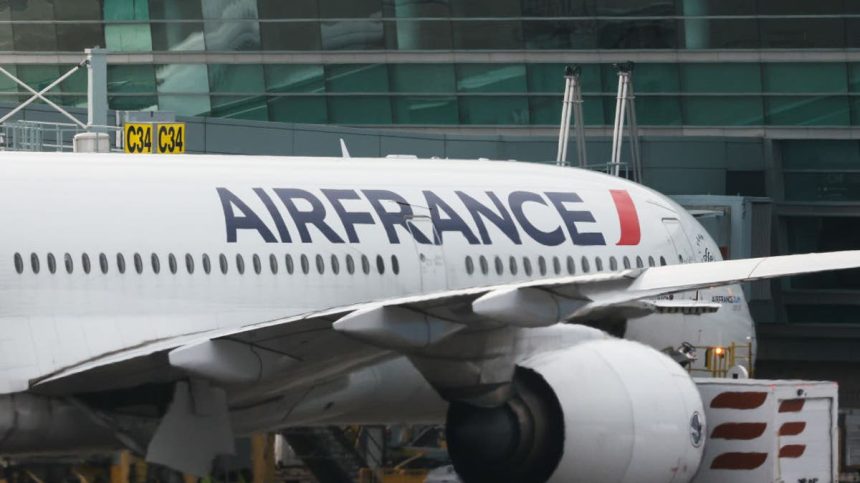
{"x": 759, "y": 98}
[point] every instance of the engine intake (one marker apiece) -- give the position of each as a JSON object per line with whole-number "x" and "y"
{"x": 608, "y": 411}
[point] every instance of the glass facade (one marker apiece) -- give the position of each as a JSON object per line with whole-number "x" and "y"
{"x": 425, "y": 92}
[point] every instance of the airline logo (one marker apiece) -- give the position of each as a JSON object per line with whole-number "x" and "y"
{"x": 510, "y": 214}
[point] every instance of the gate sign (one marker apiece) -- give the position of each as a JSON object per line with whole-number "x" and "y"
{"x": 137, "y": 138}
{"x": 171, "y": 138}
{"x": 159, "y": 138}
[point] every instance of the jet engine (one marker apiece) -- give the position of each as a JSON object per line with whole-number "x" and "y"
{"x": 602, "y": 411}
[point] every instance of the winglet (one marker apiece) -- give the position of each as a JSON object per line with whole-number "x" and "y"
{"x": 344, "y": 153}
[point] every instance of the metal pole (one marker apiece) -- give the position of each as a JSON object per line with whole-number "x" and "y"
{"x": 97, "y": 103}
{"x": 564, "y": 128}
{"x": 38, "y": 95}
{"x": 634, "y": 138}
{"x": 579, "y": 125}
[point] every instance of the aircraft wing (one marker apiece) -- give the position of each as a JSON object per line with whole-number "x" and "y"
{"x": 417, "y": 326}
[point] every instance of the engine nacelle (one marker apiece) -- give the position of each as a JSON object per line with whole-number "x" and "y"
{"x": 602, "y": 411}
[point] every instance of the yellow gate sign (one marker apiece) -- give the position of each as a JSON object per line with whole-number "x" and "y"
{"x": 171, "y": 138}
{"x": 138, "y": 138}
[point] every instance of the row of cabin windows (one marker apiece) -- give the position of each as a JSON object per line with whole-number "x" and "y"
{"x": 222, "y": 261}
{"x": 543, "y": 268}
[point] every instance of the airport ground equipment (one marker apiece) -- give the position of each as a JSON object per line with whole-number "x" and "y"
{"x": 768, "y": 430}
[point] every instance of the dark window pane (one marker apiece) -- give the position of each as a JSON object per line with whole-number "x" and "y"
{"x": 805, "y": 77}
{"x": 6, "y": 31}
{"x": 133, "y": 103}
{"x": 662, "y": 78}
{"x": 657, "y": 110}
{"x": 800, "y": 7}
{"x": 711, "y": 33}
{"x": 231, "y": 25}
{"x": 824, "y": 235}
{"x": 294, "y": 78}
{"x": 177, "y": 36}
{"x": 422, "y": 78}
{"x": 351, "y": 8}
{"x": 135, "y": 79}
{"x": 359, "y": 110}
{"x": 547, "y": 110}
{"x": 852, "y": 30}
{"x": 352, "y": 35}
{"x": 745, "y": 183}
{"x": 425, "y": 110}
{"x": 424, "y": 34}
{"x": 32, "y": 10}
{"x": 723, "y": 111}
{"x": 494, "y": 110}
{"x": 77, "y": 37}
{"x": 236, "y": 78}
{"x": 822, "y": 186}
{"x": 270, "y": 9}
{"x": 819, "y": 154}
{"x": 252, "y": 107}
{"x": 717, "y": 7}
{"x": 557, "y": 8}
{"x": 34, "y": 37}
{"x": 480, "y": 8}
{"x": 745, "y": 78}
{"x": 303, "y": 109}
{"x": 488, "y": 35}
{"x": 802, "y": 33}
{"x": 290, "y": 35}
{"x": 491, "y": 78}
{"x": 637, "y": 34}
{"x": 560, "y": 34}
{"x": 356, "y": 78}
{"x": 629, "y": 8}
{"x": 128, "y": 38}
{"x": 550, "y": 78}
{"x": 807, "y": 111}
{"x": 175, "y": 9}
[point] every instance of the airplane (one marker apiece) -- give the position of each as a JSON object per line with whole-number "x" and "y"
{"x": 170, "y": 304}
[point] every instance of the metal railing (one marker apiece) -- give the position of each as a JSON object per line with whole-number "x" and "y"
{"x": 45, "y": 136}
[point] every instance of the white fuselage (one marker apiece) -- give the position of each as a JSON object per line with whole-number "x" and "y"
{"x": 312, "y": 233}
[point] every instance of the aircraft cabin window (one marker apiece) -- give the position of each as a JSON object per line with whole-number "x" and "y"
{"x": 85, "y": 262}
{"x": 103, "y": 263}
{"x": 207, "y": 265}
{"x": 365, "y": 265}
{"x": 585, "y": 265}
{"x": 512, "y": 265}
{"x": 306, "y": 266}
{"x": 380, "y": 264}
{"x": 613, "y": 264}
{"x": 527, "y": 266}
{"x": 598, "y": 264}
{"x": 68, "y": 261}
{"x": 138, "y": 263}
{"x": 542, "y": 265}
{"x": 156, "y": 263}
{"x": 34, "y": 262}
{"x": 556, "y": 265}
{"x": 320, "y": 264}
{"x": 19, "y": 263}
{"x": 571, "y": 265}
{"x": 500, "y": 267}
{"x": 240, "y": 264}
{"x": 651, "y": 261}
{"x": 639, "y": 263}
{"x": 626, "y": 262}
{"x": 662, "y": 262}
{"x": 189, "y": 263}
{"x": 395, "y": 265}
{"x": 120, "y": 263}
{"x": 335, "y": 265}
{"x": 222, "y": 261}
{"x": 52, "y": 263}
{"x": 350, "y": 265}
{"x": 258, "y": 266}
{"x": 288, "y": 260}
{"x": 482, "y": 261}
{"x": 470, "y": 265}
{"x": 171, "y": 263}
{"x": 273, "y": 263}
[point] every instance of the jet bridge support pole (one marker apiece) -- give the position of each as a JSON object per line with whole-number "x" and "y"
{"x": 624, "y": 107}
{"x": 571, "y": 106}
{"x": 97, "y": 102}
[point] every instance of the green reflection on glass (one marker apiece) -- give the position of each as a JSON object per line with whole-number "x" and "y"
{"x": 126, "y": 10}
{"x": 356, "y": 78}
{"x": 745, "y": 78}
{"x": 128, "y": 38}
{"x": 723, "y": 111}
{"x": 491, "y": 78}
{"x": 304, "y": 109}
{"x": 294, "y": 78}
{"x": 805, "y": 77}
{"x": 422, "y": 78}
{"x": 359, "y": 110}
{"x": 807, "y": 111}
{"x": 425, "y": 110}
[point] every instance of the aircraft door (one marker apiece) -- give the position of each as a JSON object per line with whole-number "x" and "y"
{"x": 431, "y": 257}
{"x": 679, "y": 239}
